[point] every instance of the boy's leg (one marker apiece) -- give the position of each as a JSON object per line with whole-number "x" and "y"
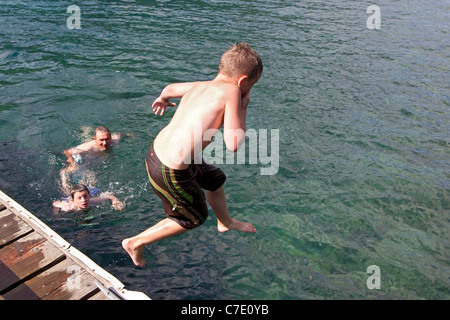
{"x": 224, "y": 222}
{"x": 164, "y": 229}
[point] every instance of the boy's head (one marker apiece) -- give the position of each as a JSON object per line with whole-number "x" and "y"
{"x": 80, "y": 196}
{"x": 102, "y": 137}
{"x": 241, "y": 60}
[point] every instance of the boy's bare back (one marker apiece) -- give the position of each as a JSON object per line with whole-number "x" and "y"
{"x": 204, "y": 106}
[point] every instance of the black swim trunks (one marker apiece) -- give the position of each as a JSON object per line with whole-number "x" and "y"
{"x": 181, "y": 190}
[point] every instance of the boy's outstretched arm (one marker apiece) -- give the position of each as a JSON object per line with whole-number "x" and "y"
{"x": 63, "y": 205}
{"x": 174, "y": 90}
{"x": 116, "y": 203}
{"x": 70, "y": 159}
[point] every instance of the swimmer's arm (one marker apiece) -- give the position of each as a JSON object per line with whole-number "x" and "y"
{"x": 63, "y": 205}
{"x": 77, "y": 150}
{"x": 174, "y": 90}
{"x": 70, "y": 158}
{"x": 56, "y": 205}
{"x": 87, "y": 146}
{"x": 117, "y": 135}
{"x": 116, "y": 203}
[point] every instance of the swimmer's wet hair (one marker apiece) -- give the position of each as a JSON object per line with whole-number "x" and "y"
{"x": 240, "y": 59}
{"x": 102, "y": 129}
{"x": 79, "y": 188}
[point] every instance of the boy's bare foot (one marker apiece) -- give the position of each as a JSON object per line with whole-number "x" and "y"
{"x": 136, "y": 254}
{"x": 236, "y": 225}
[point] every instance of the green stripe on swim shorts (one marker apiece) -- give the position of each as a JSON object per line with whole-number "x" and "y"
{"x": 183, "y": 193}
{"x": 180, "y": 193}
{"x": 163, "y": 192}
{"x": 173, "y": 200}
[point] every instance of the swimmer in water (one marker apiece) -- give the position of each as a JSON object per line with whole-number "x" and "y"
{"x": 81, "y": 199}
{"x": 102, "y": 141}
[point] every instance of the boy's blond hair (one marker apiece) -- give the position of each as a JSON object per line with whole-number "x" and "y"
{"x": 240, "y": 59}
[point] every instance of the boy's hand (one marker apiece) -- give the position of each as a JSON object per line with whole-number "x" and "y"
{"x": 118, "y": 205}
{"x": 160, "y": 105}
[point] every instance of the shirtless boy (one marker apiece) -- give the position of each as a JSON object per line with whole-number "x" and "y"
{"x": 81, "y": 199}
{"x": 176, "y": 177}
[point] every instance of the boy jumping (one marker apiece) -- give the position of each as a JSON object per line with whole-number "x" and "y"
{"x": 176, "y": 172}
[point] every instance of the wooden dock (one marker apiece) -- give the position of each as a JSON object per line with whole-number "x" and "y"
{"x": 37, "y": 264}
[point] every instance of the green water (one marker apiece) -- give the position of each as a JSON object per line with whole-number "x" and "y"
{"x": 363, "y": 119}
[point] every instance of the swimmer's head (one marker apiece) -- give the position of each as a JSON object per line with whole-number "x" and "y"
{"x": 80, "y": 196}
{"x": 102, "y": 137}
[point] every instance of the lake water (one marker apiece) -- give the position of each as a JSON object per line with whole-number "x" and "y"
{"x": 363, "y": 120}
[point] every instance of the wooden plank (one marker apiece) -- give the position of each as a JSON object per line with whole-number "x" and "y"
{"x": 11, "y": 227}
{"x": 24, "y": 257}
{"x": 64, "y": 281}
{"x": 37, "y": 263}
